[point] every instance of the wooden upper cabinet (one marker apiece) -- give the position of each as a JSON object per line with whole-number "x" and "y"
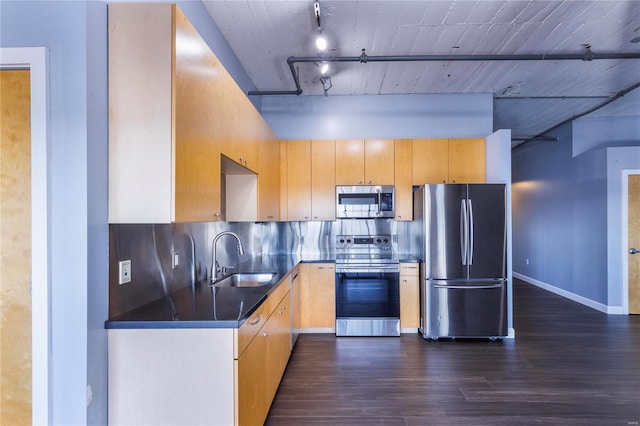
{"x": 467, "y": 160}
{"x": 268, "y": 175}
{"x": 164, "y": 158}
{"x": 364, "y": 162}
{"x": 430, "y": 161}
{"x": 379, "y": 162}
{"x": 323, "y": 180}
{"x": 449, "y": 160}
{"x": 350, "y": 162}
{"x": 403, "y": 179}
{"x": 298, "y": 159}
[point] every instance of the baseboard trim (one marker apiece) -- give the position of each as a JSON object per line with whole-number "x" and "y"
{"x": 614, "y": 310}
{"x": 312, "y": 330}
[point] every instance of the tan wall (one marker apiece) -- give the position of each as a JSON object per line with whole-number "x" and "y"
{"x": 15, "y": 248}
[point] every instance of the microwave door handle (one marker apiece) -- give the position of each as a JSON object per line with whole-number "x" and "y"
{"x": 379, "y": 204}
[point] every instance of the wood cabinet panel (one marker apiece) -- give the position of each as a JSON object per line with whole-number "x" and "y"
{"x": 268, "y": 176}
{"x": 430, "y": 161}
{"x": 323, "y": 179}
{"x": 403, "y": 179}
{"x": 378, "y": 161}
{"x": 197, "y": 150}
{"x": 350, "y": 162}
{"x": 278, "y": 334}
{"x": 317, "y": 295}
{"x": 252, "y": 400}
{"x": 409, "y": 296}
{"x": 298, "y": 180}
{"x": 449, "y": 160}
{"x": 467, "y": 160}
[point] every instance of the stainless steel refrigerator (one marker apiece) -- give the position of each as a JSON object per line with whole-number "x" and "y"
{"x": 459, "y": 233}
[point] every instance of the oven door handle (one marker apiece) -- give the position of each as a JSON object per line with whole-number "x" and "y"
{"x": 366, "y": 270}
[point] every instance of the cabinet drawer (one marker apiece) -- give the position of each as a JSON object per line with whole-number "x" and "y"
{"x": 410, "y": 269}
{"x": 248, "y": 330}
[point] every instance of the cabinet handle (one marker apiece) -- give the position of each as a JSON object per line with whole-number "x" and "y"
{"x": 280, "y": 312}
{"x": 284, "y": 308}
{"x": 217, "y": 215}
{"x": 265, "y": 334}
{"x": 315, "y": 217}
{"x": 404, "y": 281}
{"x": 256, "y": 320}
{"x": 306, "y": 217}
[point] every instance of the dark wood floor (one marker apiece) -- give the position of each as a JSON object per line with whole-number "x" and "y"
{"x": 569, "y": 365}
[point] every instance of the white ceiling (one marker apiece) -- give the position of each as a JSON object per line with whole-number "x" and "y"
{"x": 264, "y": 33}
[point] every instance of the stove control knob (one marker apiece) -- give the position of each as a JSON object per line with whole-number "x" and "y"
{"x": 386, "y": 241}
{"x": 378, "y": 240}
{"x": 341, "y": 241}
{"x": 348, "y": 241}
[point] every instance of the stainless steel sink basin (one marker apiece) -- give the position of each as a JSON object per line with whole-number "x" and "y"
{"x": 246, "y": 279}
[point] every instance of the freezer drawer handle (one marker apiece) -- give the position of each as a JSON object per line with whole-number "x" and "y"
{"x": 633, "y": 251}
{"x": 467, "y": 287}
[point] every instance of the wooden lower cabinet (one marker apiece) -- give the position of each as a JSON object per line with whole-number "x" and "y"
{"x": 409, "y": 296}
{"x": 260, "y": 367}
{"x": 251, "y": 390}
{"x": 317, "y": 297}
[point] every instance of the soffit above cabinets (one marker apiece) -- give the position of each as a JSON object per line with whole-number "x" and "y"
{"x": 529, "y": 96}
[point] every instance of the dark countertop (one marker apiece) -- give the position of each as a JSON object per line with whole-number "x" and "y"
{"x": 227, "y": 307}
{"x": 208, "y": 307}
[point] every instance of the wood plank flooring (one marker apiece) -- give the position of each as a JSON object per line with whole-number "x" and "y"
{"x": 569, "y": 365}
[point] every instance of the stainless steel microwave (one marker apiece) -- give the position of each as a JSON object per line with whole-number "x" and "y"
{"x": 365, "y": 202}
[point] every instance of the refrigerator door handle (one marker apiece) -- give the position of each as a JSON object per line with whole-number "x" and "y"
{"x": 471, "y": 233}
{"x": 463, "y": 231}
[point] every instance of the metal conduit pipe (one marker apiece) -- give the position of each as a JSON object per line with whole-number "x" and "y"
{"x": 582, "y": 114}
{"x": 364, "y": 58}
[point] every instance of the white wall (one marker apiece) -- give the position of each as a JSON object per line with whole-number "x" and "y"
{"x": 78, "y": 185}
{"x": 498, "y": 153}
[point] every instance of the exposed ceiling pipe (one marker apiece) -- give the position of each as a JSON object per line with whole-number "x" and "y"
{"x": 364, "y": 58}
{"x": 574, "y": 117}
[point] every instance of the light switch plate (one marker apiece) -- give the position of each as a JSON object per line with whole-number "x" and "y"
{"x": 124, "y": 271}
{"x": 175, "y": 260}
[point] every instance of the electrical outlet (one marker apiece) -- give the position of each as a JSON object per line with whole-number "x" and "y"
{"x": 175, "y": 260}
{"x": 526, "y": 261}
{"x": 124, "y": 271}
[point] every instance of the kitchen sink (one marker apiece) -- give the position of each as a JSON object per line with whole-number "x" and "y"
{"x": 245, "y": 279}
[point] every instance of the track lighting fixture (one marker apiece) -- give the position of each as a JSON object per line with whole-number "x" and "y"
{"x": 326, "y": 84}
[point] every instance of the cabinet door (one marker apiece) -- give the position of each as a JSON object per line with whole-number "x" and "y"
{"x": 298, "y": 180}
{"x": 378, "y": 161}
{"x": 251, "y": 391}
{"x": 467, "y": 160}
{"x": 323, "y": 180}
{"x": 403, "y": 177}
{"x": 268, "y": 176}
{"x": 141, "y": 133}
{"x": 318, "y": 296}
{"x": 197, "y": 154}
{"x": 350, "y": 162}
{"x": 409, "y": 296}
{"x": 430, "y": 161}
{"x": 278, "y": 336}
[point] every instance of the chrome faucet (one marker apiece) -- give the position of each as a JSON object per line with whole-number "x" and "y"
{"x": 214, "y": 262}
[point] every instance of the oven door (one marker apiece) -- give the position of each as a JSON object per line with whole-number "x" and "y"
{"x": 367, "y": 301}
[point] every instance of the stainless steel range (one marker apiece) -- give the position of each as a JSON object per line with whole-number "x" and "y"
{"x": 367, "y": 286}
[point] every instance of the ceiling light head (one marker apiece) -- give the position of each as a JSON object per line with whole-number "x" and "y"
{"x": 324, "y": 68}
{"x": 321, "y": 43}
